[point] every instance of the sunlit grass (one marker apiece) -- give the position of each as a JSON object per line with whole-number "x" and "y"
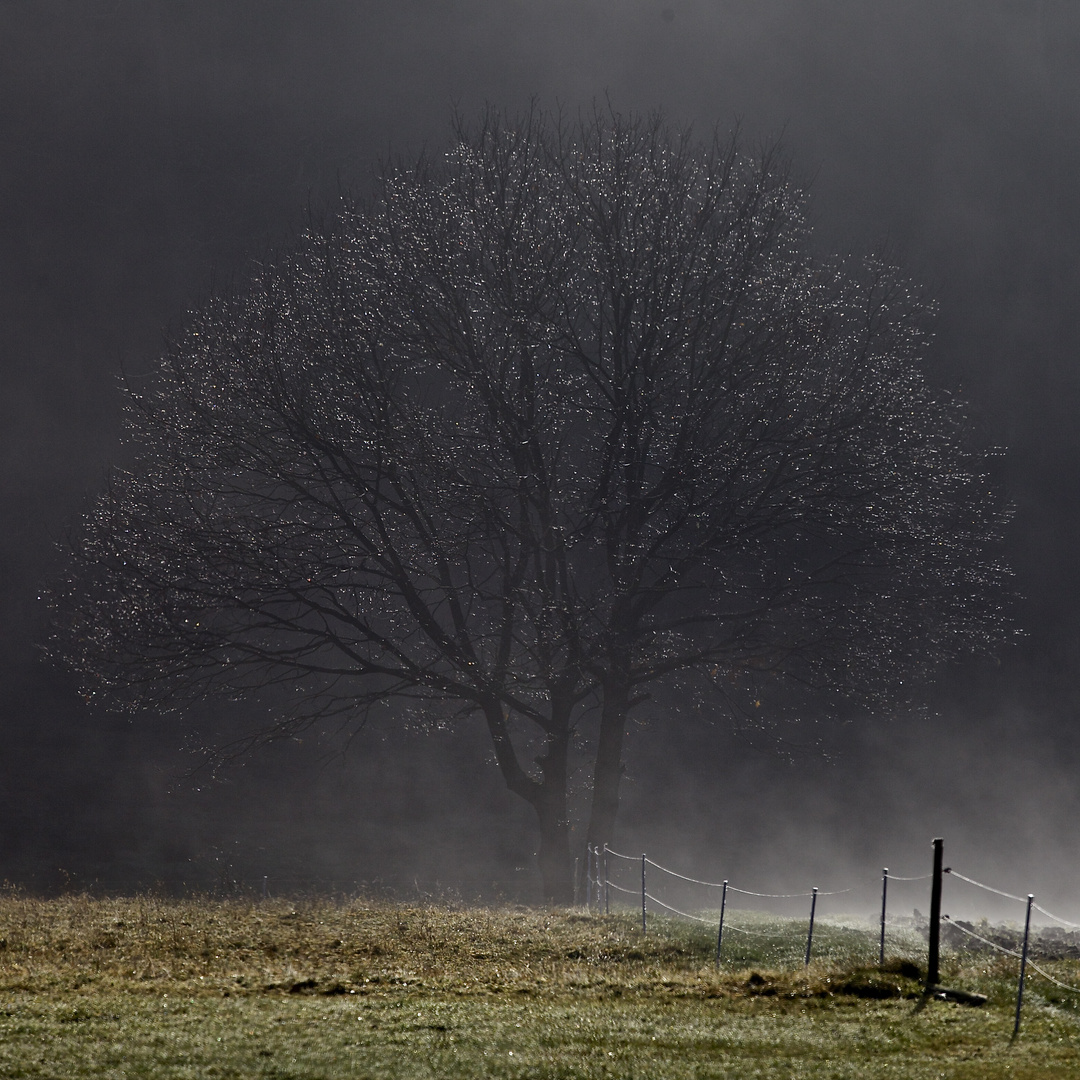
{"x": 147, "y": 987}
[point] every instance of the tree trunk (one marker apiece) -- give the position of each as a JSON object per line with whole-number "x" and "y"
{"x": 551, "y": 810}
{"x": 547, "y": 796}
{"x": 554, "y": 853}
{"x": 609, "y": 765}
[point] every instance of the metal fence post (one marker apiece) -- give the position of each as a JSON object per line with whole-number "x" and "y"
{"x": 591, "y": 877}
{"x": 810, "y": 932}
{"x": 643, "y": 929}
{"x": 1023, "y": 965}
{"x": 720, "y": 929}
{"x": 607, "y": 885}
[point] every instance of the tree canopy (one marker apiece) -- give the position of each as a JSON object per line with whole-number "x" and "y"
{"x": 563, "y": 417}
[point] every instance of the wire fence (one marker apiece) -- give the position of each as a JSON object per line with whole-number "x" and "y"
{"x": 764, "y": 920}
{"x": 613, "y": 879}
{"x": 639, "y": 882}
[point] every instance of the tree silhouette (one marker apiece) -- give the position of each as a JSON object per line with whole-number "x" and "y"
{"x": 562, "y": 420}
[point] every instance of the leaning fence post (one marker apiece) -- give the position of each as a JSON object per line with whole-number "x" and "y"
{"x": 643, "y": 930}
{"x": 720, "y": 929}
{"x": 884, "y": 895}
{"x": 607, "y": 885}
{"x": 810, "y": 932}
{"x": 1023, "y": 966}
{"x": 933, "y": 975}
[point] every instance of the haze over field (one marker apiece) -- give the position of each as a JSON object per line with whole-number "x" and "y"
{"x": 153, "y": 148}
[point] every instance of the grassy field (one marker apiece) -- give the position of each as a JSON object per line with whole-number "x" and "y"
{"x": 162, "y": 989}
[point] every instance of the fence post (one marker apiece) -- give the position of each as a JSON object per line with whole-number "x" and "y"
{"x": 933, "y": 974}
{"x": 577, "y": 879}
{"x": 810, "y": 932}
{"x": 720, "y": 930}
{"x": 596, "y": 877}
{"x": 884, "y": 895}
{"x": 265, "y": 891}
{"x": 607, "y": 886}
{"x": 643, "y": 929}
{"x": 1023, "y": 966}
{"x": 594, "y": 884}
{"x": 596, "y": 856}
{"x": 589, "y": 877}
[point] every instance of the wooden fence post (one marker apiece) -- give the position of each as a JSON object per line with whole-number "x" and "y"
{"x": 933, "y": 973}
{"x": 884, "y": 894}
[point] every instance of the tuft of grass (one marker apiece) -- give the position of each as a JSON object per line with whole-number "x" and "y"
{"x": 144, "y": 986}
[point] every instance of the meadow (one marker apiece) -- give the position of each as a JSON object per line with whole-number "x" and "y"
{"x": 203, "y": 988}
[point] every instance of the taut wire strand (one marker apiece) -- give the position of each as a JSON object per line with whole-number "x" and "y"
{"x": 1014, "y": 955}
{"x": 745, "y": 892}
{"x": 1047, "y": 975}
{"x": 749, "y": 933}
{"x": 683, "y": 877}
{"x": 676, "y": 911}
{"x": 1056, "y": 918}
{"x": 776, "y": 895}
{"x": 979, "y": 937}
{"x": 988, "y": 888}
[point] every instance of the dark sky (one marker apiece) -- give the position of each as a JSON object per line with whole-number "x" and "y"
{"x": 151, "y": 147}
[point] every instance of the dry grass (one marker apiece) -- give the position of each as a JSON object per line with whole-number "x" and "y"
{"x": 162, "y": 988}
{"x": 229, "y": 947}
{"x": 145, "y": 943}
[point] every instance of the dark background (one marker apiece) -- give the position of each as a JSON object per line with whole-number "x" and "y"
{"x": 151, "y": 147}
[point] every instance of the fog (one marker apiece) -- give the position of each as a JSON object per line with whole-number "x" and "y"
{"x": 152, "y": 148}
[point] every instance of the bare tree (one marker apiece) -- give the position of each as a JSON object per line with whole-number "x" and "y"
{"x": 562, "y": 418}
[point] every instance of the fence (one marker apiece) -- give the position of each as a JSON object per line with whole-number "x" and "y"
{"x": 601, "y": 888}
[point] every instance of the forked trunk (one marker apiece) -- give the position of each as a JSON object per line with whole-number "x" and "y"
{"x": 547, "y": 796}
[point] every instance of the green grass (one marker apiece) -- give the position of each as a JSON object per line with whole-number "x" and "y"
{"x": 146, "y": 987}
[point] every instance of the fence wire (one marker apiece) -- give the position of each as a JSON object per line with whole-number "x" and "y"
{"x": 1010, "y": 952}
{"x": 676, "y": 911}
{"x": 774, "y": 895}
{"x": 979, "y": 885}
{"x": 650, "y": 898}
{"x": 979, "y": 937}
{"x": 1056, "y": 918}
{"x": 744, "y": 892}
{"x": 683, "y": 877}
